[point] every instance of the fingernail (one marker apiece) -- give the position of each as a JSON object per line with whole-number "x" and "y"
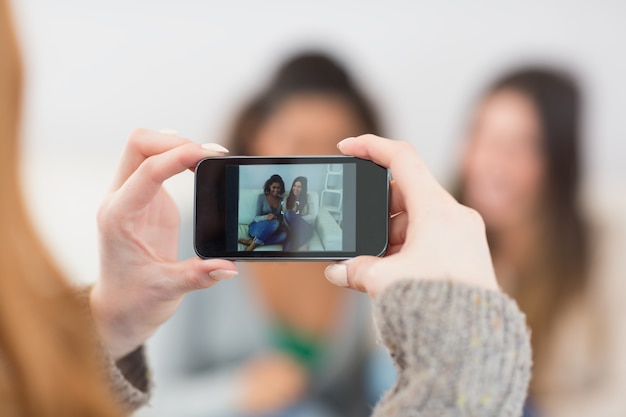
{"x": 343, "y": 141}
{"x": 169, "y": 131}
{"x": 214, "y": 147}
{"x": 221, "y": 274}
{"x": 337, "y": 274}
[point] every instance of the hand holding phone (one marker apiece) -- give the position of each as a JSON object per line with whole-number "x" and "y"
{"x": 141, "y": 282}
{"x": 431, "y": 235}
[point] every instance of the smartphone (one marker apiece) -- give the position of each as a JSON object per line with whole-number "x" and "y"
{"x": 290, "y": 208}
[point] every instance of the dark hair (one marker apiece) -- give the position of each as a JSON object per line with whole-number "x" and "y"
{"x": 302, "y": 74}
{"x": 271, "y": 180}
{"x": 558, "y": 268}
{"x": 303, "y": 198}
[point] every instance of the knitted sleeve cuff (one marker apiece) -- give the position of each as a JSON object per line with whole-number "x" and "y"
{"x": 456, "y": 347}
{"x": 129, "y": 379}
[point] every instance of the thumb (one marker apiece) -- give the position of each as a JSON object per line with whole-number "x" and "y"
{"x": 196, "y": 274}
{"x": 355, "y": 273}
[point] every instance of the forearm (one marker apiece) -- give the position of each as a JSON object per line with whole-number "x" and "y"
{"x": 459, "y": 350}
{"x": 260, "y": 215}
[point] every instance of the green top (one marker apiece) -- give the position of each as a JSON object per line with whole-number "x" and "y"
{"x": 306, "y": 348}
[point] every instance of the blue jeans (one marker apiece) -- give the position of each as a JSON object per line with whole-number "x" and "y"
{"x": 300, "y": 231}
{"x": 267, "y": 232}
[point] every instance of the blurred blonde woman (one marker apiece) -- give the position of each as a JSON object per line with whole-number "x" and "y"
{"x": 521, "y": 170}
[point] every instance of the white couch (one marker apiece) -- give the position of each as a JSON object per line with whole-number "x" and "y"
{"x": 327, "y": 235}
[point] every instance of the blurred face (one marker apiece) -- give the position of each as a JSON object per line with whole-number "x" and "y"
{"x": 297, "y": 188}
{"x": 309, "y": 124}
{"x": 275, "y": 189}
{"x": 504, "y": 166}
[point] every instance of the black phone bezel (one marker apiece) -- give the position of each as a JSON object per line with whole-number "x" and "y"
{"x": 372, "y": 209}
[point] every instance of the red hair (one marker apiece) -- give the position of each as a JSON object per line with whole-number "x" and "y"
{"x": 48, "y": 360}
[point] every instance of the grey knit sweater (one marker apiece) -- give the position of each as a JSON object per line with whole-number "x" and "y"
{"x": 459, "y": 351}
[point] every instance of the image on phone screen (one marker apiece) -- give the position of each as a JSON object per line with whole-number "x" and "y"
{"x": 299, "y": 207}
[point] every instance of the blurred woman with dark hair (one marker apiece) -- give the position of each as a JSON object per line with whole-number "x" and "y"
{"x": 310, "y": 102}
{"x": 521, "y": 172}
{"x": 295, "y": 355}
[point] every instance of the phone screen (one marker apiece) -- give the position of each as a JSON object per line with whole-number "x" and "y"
{"x": 299, "y": 207}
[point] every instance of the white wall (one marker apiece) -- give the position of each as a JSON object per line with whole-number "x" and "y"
{"x": 96, "y": 69}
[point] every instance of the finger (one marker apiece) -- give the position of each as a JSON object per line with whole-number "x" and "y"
{"x": 174, "y": 132}
{"x": 142, "y": 144}
{"x": 355, "y": 274}
{"x": 393, "y": 249}
{"x": 377, "y": 149}
{"x": 398, "y": 226}
{"x": 144, "y": 183}
{"x": 409, "y": 171}
{"x": 196, "y": 274}
{"x": 396, "y": 198}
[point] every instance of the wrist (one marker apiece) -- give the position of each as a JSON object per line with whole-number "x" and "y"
{"x": 112, "y": 329}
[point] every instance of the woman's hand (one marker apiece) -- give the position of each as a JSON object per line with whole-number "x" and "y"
{"x": 271, "y": 383}
{"x": 271, "y": 216}
{"x": 141, "y": 283}
{"x": 431, "y": 235}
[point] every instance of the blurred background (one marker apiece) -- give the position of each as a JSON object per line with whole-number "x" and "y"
{"x": 96, "y": 70}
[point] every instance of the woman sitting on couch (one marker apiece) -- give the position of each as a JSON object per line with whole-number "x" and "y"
{"x": 266, "y": 229}
{"x": 300, "y": 214}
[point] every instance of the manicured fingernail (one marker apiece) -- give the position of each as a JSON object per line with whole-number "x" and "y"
{"x": 169, "y": 131}
{"x": 214, "y": 147}
{"x": 337, "y": 274}
{"x": 343, "y": 141}
{"x": 220, "y": 274}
